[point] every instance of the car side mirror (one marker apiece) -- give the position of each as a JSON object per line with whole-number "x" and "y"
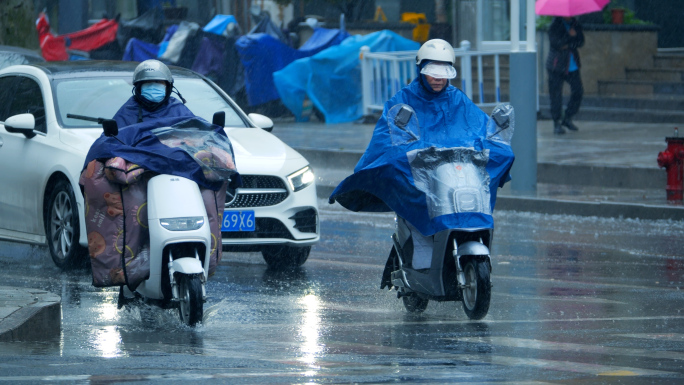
{"x": 219, "y": 118}
{"x": 261, "y": 121}
{"x": 110, "y": 127}
{"x": 21, "y": 124}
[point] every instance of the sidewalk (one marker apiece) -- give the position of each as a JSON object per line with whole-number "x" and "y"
{"x": 29, "y": 314}
{"x": 605, "y": 169}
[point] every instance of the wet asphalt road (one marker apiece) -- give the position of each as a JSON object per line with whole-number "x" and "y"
{"x": 574, "y": 300}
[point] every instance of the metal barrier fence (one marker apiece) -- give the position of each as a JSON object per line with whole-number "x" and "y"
{"x": 383, "y": 74}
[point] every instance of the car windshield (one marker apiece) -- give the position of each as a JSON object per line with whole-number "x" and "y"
{"x": 102, "y": 97}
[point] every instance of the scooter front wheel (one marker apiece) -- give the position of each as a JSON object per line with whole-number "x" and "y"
{"x": 191, "y": 306}
{"x": 478, "y": 289}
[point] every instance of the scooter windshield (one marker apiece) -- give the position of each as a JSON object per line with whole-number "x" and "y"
{"x": 454, "y": 180}
{"x": 213, "y": 152}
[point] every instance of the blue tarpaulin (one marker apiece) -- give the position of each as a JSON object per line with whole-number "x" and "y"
{"x": 262, "y": 54}
{"x": 391, "y": 175}
{"x": 138, "y": 50}
{"x": 219, "y": 23}
{"x": 331, "y": 79}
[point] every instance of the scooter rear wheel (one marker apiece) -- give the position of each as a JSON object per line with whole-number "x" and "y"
{"x": 191, "y": 306}
{"x": 414, "y": 304}
{"x": 478, "y": 290}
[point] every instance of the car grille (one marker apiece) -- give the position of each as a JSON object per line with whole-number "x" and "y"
{"x": 258, "y": 191}
{"x": 263, "y": 228}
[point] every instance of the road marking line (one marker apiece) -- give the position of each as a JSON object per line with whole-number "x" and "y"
{"x": 561, "y": 299}
{"x": 571, "y": 347}
{"x": 466, "y": 322}
{"x": 494, "y": 276}
{"x": 656, "y": 336}
{"x": 564, "y": 366}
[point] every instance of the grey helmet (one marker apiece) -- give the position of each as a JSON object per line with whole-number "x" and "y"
{"x": 152, "y": 70}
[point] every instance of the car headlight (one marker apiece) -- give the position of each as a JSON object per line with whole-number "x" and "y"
{"x": 300, "y": 179}
{"x": 182, "y": 224}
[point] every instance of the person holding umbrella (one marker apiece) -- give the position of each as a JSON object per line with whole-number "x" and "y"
{"x": 563, "y": 63}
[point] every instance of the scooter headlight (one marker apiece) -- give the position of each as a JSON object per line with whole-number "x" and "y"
{"x": 182, "y": 224}
{"x": 300, "y": 179}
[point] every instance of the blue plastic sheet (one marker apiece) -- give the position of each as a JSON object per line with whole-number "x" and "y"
{"x": 138, "y": 50}
{"x": 331, "y": 79}
{"x": 384, "y": 178}
{"x": 262, "y": 54}
{"x": 219, "y": 24}
{"x": 165, "y": 41}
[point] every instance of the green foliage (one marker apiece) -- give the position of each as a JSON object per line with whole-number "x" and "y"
{"x": 543, "y": 22}
{"x": 628, "y": 19}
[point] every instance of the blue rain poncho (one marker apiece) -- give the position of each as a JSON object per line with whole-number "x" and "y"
{"x": 399, "y": 171}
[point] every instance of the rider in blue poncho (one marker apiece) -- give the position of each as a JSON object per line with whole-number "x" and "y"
{"x": 383, "y": 178}
{"x": 151, "y": 98}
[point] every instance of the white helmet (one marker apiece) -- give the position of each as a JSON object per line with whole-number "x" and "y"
{"x": 436, "y": 50}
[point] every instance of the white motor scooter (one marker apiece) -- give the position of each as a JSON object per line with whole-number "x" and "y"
{"x": 180, "y": 245}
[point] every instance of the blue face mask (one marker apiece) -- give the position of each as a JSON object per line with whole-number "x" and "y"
{"x": 154, "y": 92}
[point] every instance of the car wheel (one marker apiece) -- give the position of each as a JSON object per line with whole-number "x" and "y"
{"x": 62, "y": 227}
{"x": 285, "y": 257}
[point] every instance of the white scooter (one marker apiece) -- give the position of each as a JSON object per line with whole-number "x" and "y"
{"x": 180, "y": 245}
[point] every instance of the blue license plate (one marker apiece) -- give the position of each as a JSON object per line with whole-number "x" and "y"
{"x": 238, "y": 220}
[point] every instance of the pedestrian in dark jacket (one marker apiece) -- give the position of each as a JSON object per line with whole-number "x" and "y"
{"x": 563, "y": 65}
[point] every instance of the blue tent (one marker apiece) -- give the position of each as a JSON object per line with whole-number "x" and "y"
{"x": 331, "y": 79}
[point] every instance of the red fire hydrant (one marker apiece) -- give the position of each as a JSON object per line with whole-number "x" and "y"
{"x": 673, "y": 161}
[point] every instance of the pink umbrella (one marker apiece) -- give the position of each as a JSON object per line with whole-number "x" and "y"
{"x": 568, "y": 7}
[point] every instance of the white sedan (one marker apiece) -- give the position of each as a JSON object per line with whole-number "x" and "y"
{"x": 42, "y": 159}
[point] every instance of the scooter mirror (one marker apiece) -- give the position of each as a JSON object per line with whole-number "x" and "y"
{"x": 501, "y": 120}
{"x": 403, "y": 117}
{"x": 219, "y": 118}
{"x": 110, "y": 127}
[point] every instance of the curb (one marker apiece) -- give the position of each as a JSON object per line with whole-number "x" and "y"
{"x": 551, "y": 173}
{"x": 566, "y": 207}
{"x": 29, "y": 314}
{"x": 589, "y": 209}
